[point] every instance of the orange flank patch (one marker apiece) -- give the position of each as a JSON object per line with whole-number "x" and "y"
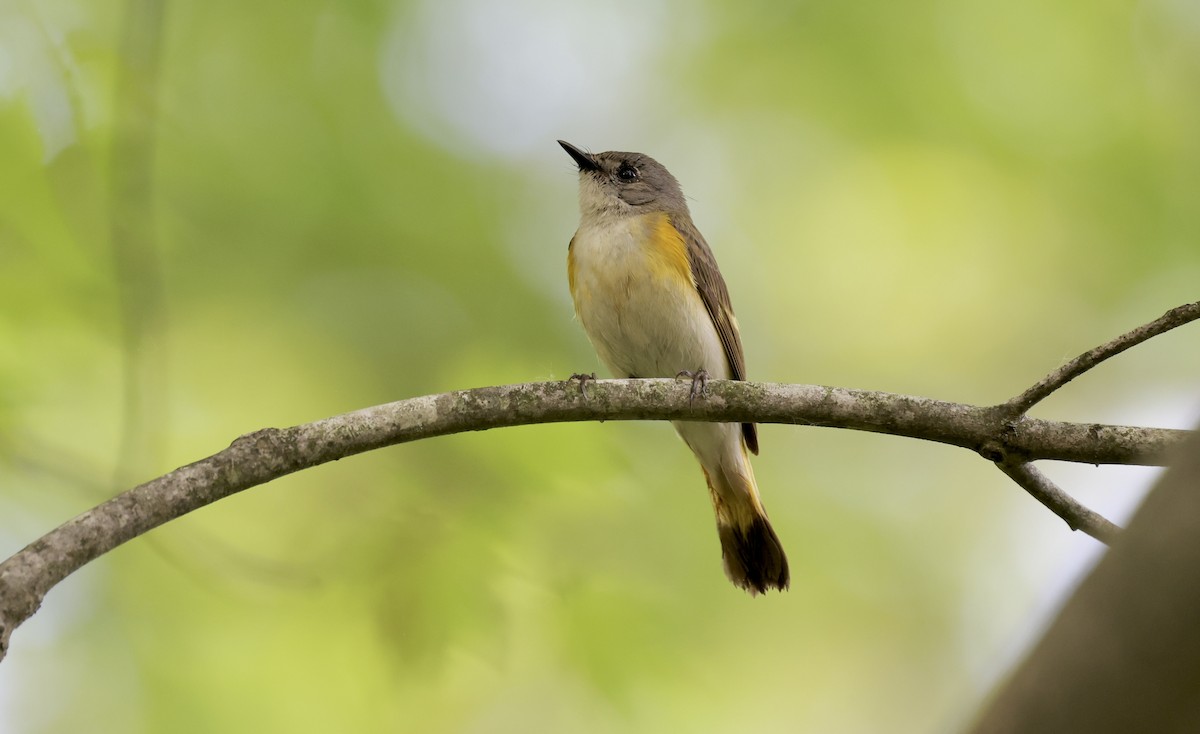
{"x": 661, "y": 256}
{"x": 667, "y": 254}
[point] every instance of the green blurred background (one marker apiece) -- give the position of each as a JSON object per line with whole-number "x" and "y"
{"x": 309, "y": 207}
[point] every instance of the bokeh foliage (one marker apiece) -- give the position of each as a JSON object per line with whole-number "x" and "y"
{"x": 351, "y": 203}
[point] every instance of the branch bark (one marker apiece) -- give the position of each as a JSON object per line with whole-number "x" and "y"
{"x": 259, "y": 457}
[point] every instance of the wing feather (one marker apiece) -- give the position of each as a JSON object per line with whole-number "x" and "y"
{"x": 715, "y": 295}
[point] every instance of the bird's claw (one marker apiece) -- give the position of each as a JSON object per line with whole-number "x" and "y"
{"x": 583, "y": 378}
{"x": 699, "y": 380}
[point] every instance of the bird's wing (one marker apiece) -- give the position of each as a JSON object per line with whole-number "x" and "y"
{"x": 715, "y": 295}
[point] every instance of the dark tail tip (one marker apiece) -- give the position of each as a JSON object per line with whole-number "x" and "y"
{"x": 754, "y": 559}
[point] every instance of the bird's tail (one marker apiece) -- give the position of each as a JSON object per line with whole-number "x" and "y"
{"x": 753, "y": 557}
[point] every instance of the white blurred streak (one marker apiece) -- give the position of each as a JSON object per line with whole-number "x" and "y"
{"x": 507, "y": 78}
{"x": 37, "y": 64}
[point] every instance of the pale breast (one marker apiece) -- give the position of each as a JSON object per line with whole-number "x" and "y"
{"x": 634, "y": 296}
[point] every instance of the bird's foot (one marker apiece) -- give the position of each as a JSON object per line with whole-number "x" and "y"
{"x": 583, "y": 381}
{"x": 699, "y": 380}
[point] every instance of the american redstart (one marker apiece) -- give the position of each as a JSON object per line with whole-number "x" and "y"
{"x": 653, "y": 303}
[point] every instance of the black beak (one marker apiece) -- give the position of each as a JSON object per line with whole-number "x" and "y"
{"x": 585, "y": 160}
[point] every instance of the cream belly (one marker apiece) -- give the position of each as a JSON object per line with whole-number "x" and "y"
{"x": 642, "y": 317}
{"x": 645, "y": 320}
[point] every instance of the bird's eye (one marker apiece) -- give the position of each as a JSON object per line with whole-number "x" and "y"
{"x": 627, "y": 173}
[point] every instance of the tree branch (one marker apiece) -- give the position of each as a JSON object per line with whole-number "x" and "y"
{"x": 1059, "y": 502}
{"x": 1033, "y": 481}
{"x": 1089, "y": 359}
{"x": 259, "y": 457}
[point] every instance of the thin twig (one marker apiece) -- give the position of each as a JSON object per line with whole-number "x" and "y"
{"x": 1059, "y": 502}
{"x": 1089, "y": 359}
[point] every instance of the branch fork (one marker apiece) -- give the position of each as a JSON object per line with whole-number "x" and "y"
{"x": 1024, "y": 473}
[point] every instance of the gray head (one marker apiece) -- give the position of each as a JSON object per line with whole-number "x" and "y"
{"x": 624, "y": 184}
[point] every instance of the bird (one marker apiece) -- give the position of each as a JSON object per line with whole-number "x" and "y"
{"x": 648, "y": 292}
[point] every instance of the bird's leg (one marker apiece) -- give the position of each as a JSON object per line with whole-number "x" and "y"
{"x": 699, "y": 380}
{"x": 583, "y": 381}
